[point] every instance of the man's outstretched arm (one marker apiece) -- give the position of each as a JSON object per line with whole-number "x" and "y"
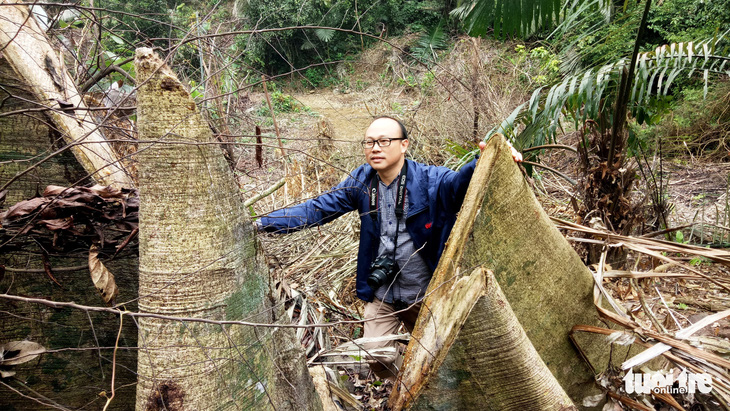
{"x": 317, "y": 211}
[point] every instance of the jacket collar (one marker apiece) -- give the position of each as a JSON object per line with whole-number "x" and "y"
{"x": 416, "y": 189}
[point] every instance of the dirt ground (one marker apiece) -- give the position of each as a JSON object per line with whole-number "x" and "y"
{"x": 347, "y": 114}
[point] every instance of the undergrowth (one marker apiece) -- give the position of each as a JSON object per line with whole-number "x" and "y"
{"x": 696, "y": 126}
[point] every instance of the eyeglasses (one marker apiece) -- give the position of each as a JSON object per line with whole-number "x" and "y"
{"x": 383, "y": 142}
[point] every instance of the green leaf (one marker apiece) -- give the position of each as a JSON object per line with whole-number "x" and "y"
{"x": 116, "y": 39}
{"x": 324, "y": 34}
{"x": 679, "y": 237}
{"x": 307, "y": 45}
{"x": 428, "y": 43}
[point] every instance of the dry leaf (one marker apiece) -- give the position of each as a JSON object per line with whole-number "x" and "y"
{"x": 58, "y": 223}
{"x": 103, "y": 279}
{"x": 106, "y": 191}
{"x": 24, "y": 208}
{"x": 52, "y": 191}
{"x": 6, "y": 374}
{"x": 18, "y": 352}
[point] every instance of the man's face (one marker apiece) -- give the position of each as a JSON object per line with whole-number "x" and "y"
{"x": 385, "y": 158}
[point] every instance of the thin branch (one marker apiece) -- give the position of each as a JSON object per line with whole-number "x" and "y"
{"x": 264, "y": 193}
{"x": 116, "y": 311}
{"x": 114, "y": 360}
{"x": 273, "y": 116}
{"x": 544, "y": 146}
{"x": 88, "y": 84}
{"x": 561, "y": 174}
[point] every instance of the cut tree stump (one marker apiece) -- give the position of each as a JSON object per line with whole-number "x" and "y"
{"x": 198, "y": 257}
{"x": 467, "y": 351}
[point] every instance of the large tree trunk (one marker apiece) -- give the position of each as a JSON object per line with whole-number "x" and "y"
{"x": 26, "y": 49}
{"x": 466, "y": 353}
{"x": 198, "y": 258}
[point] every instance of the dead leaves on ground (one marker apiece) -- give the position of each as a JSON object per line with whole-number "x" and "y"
{"x": 651, "y": 294}
{"x": 77, "y": 210}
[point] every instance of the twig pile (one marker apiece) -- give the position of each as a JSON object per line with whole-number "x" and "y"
{"x": 673, "y": 338}
{"x": 316, "y": 268}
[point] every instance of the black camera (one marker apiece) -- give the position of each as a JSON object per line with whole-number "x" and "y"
{"x": 381, "y": 271}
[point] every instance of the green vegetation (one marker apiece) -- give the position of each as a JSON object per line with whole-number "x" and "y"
{"x": 566, "y": 74}
{"x": 277, "y": 52}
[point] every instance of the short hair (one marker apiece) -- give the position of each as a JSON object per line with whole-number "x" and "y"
{"x": 403, "y": 131}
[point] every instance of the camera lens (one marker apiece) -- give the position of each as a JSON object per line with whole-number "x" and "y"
{"x": 377, "y": 278}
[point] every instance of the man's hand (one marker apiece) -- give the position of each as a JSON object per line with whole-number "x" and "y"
{"x": 516, "y": 155}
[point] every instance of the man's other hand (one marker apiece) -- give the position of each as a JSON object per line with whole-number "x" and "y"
{"x": 516, "y": 155}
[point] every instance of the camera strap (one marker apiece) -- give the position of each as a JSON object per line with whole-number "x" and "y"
{"x": 400, "y": 191}
{"x": 399, "y": 206}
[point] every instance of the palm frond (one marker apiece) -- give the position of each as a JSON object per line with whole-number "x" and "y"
{"x": 324, "y": 34}
{"x": 573, "y": 12}
{"x": 429, "y": 43}
{"x": 657, "y": 69}
{"x": 508, "y": 18}
{"x": 583, "y": 96}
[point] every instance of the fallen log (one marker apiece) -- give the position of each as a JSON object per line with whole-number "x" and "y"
{"x": 39, "y": 68}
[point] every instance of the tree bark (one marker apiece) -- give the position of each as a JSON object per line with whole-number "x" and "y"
{"x": 498, "y": 368}
{"x": 198, "y": 257}
{"x": 26, "y": 138}
{"x": 26, "y": 49}
{"x": 74, "y": 375}
{"x": 502, "y": 228}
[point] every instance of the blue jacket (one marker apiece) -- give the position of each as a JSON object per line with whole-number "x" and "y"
{"x": 434, "y": 196}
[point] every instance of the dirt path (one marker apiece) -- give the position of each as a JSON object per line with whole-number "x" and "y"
{"x": 347, "y": 114}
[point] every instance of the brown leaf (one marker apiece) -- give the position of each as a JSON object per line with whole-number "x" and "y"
{"x": 80, "y": 197}
{"x": 58, "y": 223}
{"x": 103, "y": 279}
{"x": 106, "y": 191}
{"x": 47, "y": 268}
{"x": 24, "y": 208}
{"x": 18, "y": 352}
{"x": 126, "y": 241}
{"x": 52, "y": 191}
{"x": 69, "y": 203}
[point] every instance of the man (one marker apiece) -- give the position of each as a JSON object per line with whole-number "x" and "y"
{"x": 406, "y": 211}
